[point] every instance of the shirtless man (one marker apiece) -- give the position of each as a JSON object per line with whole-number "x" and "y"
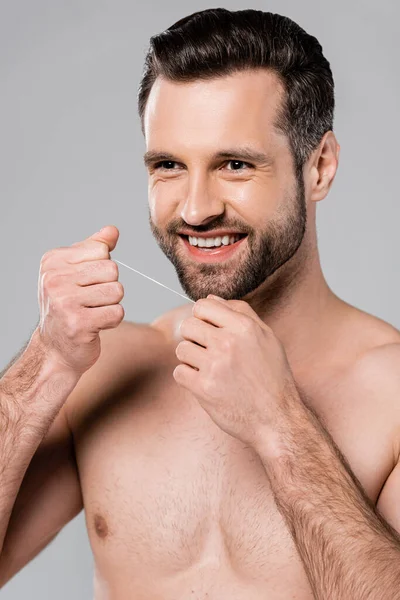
{"x": 242, "y": 449}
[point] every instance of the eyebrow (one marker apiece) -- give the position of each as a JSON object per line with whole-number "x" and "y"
{"x": 240, "y": 153}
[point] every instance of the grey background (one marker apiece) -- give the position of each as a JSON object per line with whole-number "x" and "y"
{"x": 71, "y": 162}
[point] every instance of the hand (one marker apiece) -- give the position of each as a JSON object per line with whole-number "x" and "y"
{"x": 235, "y": 366}
{"x": 79, "y": 295}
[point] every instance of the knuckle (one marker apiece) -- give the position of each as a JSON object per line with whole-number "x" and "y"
{"x": 102, "y": 250}
{"x": 104, "y": 290}
{"x": 51, "y": 257}
{"x": 114, "y": 270}
{"x": 114, "y": 311}
{"x": 217, "y": 366}
{"x": 185, "y": 325}
{"x": 91, "y": 267}
{"x": 209, "y": 386}
{"x": 117, "y": 313}
{"x": 119, "y": 288}
{"x": 245, "y": 323}
{"x": 199, "y": 305}
{"x": 51, "y": 281}
{"x": 63, "y": 304}
{"x": 245, "y": 305}
{"x": 227, "y": 343}
{"x": 241, "y": 304}
{"x": 73, "y": 326}
{"x": 46, "y": 257}
{"x": 94, "y": 248}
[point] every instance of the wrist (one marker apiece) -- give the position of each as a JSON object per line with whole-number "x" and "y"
{"x": 36, "y": 383}
{"x": 278, "y": 441}
{"x": 270, "y": 445}
{"x": 48, "y": 361}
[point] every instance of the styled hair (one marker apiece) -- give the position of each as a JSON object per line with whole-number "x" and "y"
{"x": 218, "y": 42}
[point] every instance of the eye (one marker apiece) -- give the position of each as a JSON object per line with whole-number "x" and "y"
{"x": 165, "y": 165}
{"x": 237, "y": 165}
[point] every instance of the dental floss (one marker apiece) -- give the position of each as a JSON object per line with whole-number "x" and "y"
{"x": 143, "y": 275}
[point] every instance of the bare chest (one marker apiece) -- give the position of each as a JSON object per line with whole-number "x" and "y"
{"x": 165, "y": 487}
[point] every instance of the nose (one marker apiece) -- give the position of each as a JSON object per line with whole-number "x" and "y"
{"x": 201, "y": 203}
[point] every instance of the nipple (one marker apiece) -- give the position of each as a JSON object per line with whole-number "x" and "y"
{"x": 100, "y": 525}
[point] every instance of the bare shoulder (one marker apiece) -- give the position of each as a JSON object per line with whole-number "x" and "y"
{"x": 126, "y": 352}
{"x": 128, "y": 348}
{"x": 378, "y": 368}
{"x": 168, "y": 323}
{"x": 372, "y": 378}
{"x": 374, "y": 345}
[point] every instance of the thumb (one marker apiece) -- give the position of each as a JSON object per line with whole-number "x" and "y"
{"x": 109, "y": 235}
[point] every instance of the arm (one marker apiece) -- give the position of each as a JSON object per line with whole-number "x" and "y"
{"x": 78, "y": 297}
{"x": 347, "y": 548}
{"x": 50, "y": 493}
{"x": 242, "y": 378}
{"x": 48, "y": 498}
{"x": 39, "y": 487}
{"x": 32, "y": 392}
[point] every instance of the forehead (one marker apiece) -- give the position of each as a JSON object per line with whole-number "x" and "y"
{"x": 213, "y": 112}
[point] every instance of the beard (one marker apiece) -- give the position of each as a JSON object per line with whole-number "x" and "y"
{"x": 267, "y": 251}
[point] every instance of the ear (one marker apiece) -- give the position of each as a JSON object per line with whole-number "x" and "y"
{"x": 323, "y": 167}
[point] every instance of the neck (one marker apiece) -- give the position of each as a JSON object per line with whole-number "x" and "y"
{"x": 297, "y": 304}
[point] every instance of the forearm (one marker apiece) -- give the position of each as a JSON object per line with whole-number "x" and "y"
{"x": 347, "y": 548}
{"x": 32, "y": 392}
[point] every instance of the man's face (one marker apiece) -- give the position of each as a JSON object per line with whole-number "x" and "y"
{"x": 192, "y": 189}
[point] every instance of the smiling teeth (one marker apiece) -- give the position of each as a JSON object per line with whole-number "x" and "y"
{"x": 226, "y": 240}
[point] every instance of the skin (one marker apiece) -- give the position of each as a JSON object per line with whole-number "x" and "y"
{"x": 245, "y": 448}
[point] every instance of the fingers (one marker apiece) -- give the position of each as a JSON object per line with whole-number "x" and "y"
{"x": 104, "y": 317}
{"x": 96, "y": 247}
{"x": 197, "y": 331}
{"x": 102, "y": 294}
{"x": 96, "y": 271}
{"x": 185, "y": 376}
{"x": 191, "y": 354}
{"x": 232, "y": 314}
{"x": 79, "y": 294}
{"x": 214, "y": 312}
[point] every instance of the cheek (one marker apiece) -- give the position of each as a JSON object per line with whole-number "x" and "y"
{"x": 256, "y": 201}
{"x": 158, "y": 203}
{"x": 163, "y": 198}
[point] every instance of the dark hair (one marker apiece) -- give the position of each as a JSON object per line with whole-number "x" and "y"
{"x": 217, "y": 42}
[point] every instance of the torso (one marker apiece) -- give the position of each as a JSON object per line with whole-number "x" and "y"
{"x": 178, "y": 509}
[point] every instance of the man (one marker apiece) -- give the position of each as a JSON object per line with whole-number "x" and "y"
{"x": 244, "y": 447}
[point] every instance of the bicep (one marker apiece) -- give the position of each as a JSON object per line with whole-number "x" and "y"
{"x": 49, "y": 497}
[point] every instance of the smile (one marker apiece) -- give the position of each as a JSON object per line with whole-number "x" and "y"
{"x": 212, "y": 250}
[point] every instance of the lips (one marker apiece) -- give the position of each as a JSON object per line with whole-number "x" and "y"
{"x": 212, "y": 255}
{"x": 211, "y": 234}
{"x": 224, "y": 240}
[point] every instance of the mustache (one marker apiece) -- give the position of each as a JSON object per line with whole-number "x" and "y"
{"x": 175, "y": 227}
